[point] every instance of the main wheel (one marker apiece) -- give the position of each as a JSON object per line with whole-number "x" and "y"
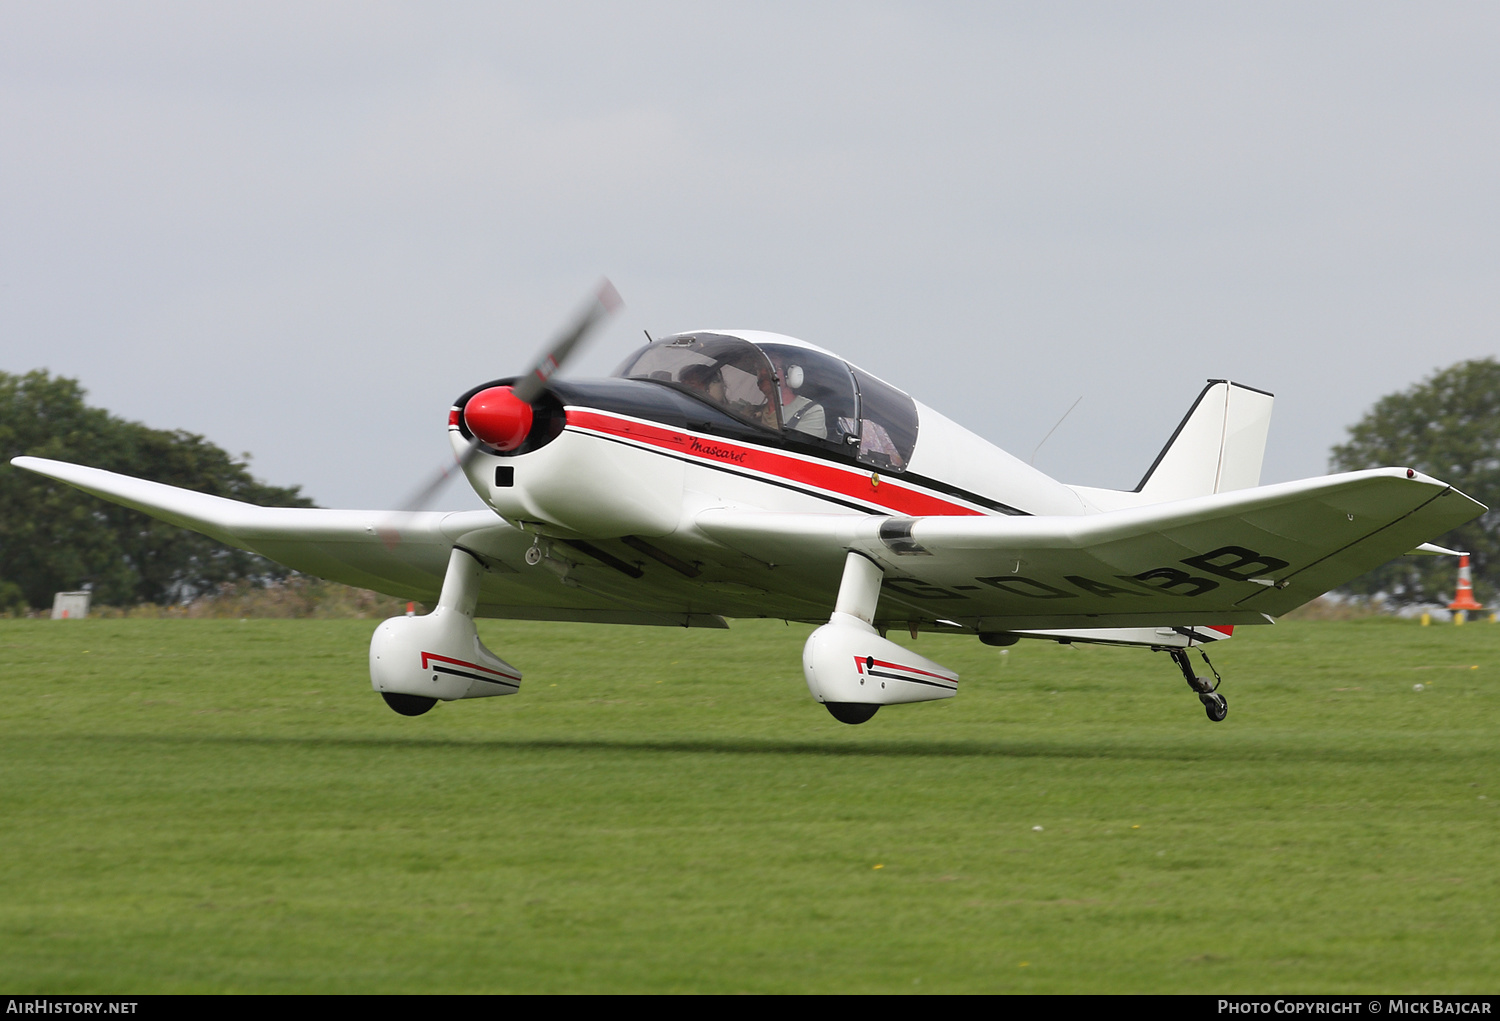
{"x": 851, "y": 712}
{"x": 408, "y": 705}
{"x": 1215, "y": 706}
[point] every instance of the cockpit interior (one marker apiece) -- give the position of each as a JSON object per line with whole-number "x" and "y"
{"x": 807, "y": 395}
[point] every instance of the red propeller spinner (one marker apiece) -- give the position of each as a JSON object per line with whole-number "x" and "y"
{"x": 501, "y": 416}
{"x": 498, "y": 417}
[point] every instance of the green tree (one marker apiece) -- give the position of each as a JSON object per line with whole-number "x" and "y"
{"x": 53, "y": 537}
{"x": 1447, "y": 426}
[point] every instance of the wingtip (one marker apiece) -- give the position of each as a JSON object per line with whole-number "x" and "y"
{"x": 40, "y": 465}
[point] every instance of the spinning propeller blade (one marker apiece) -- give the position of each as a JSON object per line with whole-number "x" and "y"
{"x": 527, "y": 389}
{"x": 605, "y": 301}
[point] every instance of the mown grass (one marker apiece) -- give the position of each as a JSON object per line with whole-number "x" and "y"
{"x": 218, "y": 806}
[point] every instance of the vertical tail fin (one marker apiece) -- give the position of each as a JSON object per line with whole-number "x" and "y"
{"x": 1217, "y": 448}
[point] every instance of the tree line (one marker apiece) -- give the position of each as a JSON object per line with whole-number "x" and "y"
{"x": 1446, "y": 426}
{"x": 56, "y": 538}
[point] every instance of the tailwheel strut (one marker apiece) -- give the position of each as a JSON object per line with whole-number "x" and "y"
{"x": 1214, "y": 704}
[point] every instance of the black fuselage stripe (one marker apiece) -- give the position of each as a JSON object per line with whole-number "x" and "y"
{"x": 962, "y": 494}
{"x": 912, "y": 680}
{"x": 438, "y": 668}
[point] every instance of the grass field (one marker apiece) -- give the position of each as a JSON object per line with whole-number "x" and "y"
{"x": 225, "y": 806}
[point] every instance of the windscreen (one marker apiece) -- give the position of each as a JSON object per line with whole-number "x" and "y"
{"x": 817, "y": 396}
{"x": 808, "y": 395}
{"x": 888, "y": 423}
{"x": 727, "y": 372}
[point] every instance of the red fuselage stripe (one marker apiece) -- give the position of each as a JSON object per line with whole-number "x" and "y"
{"x": 428, "y": 656}
{"x": 822, "y": 475}
{"x": 859, "y": 662}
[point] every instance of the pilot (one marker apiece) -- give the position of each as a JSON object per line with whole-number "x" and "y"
{"x": 764, "y": 410}
{"x": 799, "y": 412}
{"x": 705, "y": 379}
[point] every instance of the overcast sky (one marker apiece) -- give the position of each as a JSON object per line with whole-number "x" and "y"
{"x": 302, "y": 229}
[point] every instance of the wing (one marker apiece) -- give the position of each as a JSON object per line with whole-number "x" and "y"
{"x": 350, "y": 546}
{"x": 341, "y": 545}
{"x": 1229, "y": 558}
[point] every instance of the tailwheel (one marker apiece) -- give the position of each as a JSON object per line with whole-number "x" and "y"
{"x": 408, "y": 705}
{"x": 1214, "y": 704}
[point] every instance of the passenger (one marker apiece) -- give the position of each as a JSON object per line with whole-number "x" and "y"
{"x": 799, "y": 412}
{"x": 875, "y": 440}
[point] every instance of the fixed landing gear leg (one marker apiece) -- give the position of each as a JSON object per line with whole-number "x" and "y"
{"x": 854, "y": 671}
{"x": 1214, "y": 704}
{"x": 415, "y": 662}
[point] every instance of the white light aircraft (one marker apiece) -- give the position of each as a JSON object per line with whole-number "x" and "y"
{"x": 729, "y": 473}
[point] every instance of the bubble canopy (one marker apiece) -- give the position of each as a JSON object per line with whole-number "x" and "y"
{"x": 808, "y": 396}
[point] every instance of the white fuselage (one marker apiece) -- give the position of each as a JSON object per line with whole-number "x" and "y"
{"x": 610, "y": 474}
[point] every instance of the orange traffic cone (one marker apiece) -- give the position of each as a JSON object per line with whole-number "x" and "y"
{"x": 1464, "y": 599}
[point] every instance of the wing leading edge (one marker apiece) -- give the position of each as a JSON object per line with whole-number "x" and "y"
{"x": 349, "y": 546}
{"x": 340, "y": 545}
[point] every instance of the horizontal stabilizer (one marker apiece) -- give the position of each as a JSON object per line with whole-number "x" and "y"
{"x": 1151, "y": 637}
{"x": 1432, "y": 549}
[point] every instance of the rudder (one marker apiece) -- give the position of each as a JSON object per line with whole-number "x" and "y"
{"x": 1217, "y": 448}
